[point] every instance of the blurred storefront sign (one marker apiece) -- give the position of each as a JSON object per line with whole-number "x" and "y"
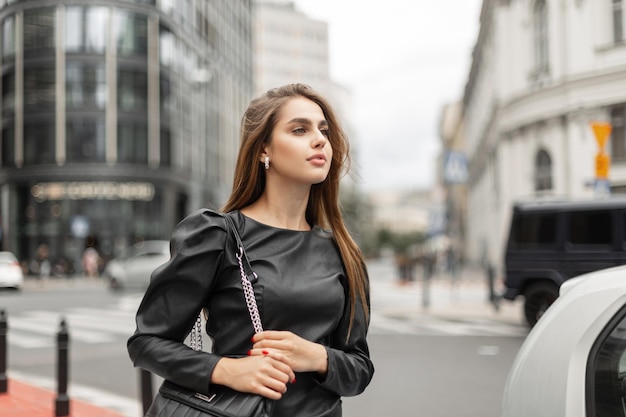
{"x": 93, "y": 190}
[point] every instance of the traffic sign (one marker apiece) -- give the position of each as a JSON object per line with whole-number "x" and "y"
{"x": 601, "y": 130}
{"x": 603, "y": 162}
{"x": 602, "y": 188}
{"x": 455, "y": 167}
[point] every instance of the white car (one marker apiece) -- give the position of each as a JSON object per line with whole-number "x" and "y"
{"x": 11, "y": 274}
{"x": 132, "y": 269}
{"x": 573, "y": 362}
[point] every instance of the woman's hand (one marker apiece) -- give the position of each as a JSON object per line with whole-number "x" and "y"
{"x": 299, "y": 354}
{"x": 259, "y": 374}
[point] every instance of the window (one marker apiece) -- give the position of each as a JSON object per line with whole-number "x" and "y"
{"x": 39, "y": 142}
{"x": 86, "y": 29}
{"x": 131, "y": 33}
{"x": 167, "y": 48}
{"x": 543, "y": 171}
{"x": 586, "y": 228}
{"x": 533, "y": 230}
{"x": 132, "y": 91}
{"x": 132, "y": 143}
{"x": 540, "y": 35}
{"x": 167, "y": 99}
{"x": 39, "y": 30}
{"x": 85, "y": 140}
{"x": 618, "y": 134}
{"x": 39, "y": 89}
{"x": 618, "y": 21}
{"x": 8, "y": 94}
{"x": 167, "y": 6}
{"x": 166, "y": 149}
{"x": 606, "y": 370}
{"x": 8, "y": 36}
{"x": 85, "y": 85}
{"x": 8, "y": 147}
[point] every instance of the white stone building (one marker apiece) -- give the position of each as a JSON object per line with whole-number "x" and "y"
{"x": 289, "y": 46}
{"x": 542, "y": 71}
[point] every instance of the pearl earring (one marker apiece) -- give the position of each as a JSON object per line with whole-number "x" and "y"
{"x": 267, "y": 163}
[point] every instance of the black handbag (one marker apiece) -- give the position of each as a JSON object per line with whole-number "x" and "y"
{"x": 221, "y": 401}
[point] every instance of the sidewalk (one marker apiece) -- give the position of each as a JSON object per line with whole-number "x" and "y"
{"x": 24, "y": 400}
{"x": 464, "y": 298}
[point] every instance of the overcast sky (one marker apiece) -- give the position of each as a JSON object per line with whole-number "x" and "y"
{"x": 402, "y": 60}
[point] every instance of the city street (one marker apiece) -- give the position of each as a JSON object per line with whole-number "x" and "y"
{"x": 449, "y": 359}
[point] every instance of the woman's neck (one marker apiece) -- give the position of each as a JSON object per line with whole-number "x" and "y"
{"x": 285, "y": 210}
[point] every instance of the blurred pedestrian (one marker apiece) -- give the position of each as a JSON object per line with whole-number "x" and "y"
{"x": 312, "y": 282}
{"x": 91, "y": 262}
{"x": 494, "y": 297}
{"x": 43, "y": 261}
{"x": 429, "y": 263}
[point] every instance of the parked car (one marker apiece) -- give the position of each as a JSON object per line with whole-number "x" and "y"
{"x": 573, "y": 361}
{"x": 132, "y": 269}
{"x": 552, "y": 241}
{"x": 11, "y": 274}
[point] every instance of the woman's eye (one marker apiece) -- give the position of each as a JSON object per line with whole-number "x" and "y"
{"x": 325, "y": 132}
{"x": 299, "y": 130}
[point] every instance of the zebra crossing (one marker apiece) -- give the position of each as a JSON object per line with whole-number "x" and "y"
{"x": 35, "y": 329}
{"x": 435, "y": 326}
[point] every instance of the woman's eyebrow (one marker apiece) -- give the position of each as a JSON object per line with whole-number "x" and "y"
{"x": 303, "y": 120}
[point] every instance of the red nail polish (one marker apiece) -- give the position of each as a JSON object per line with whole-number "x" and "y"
{"x": 249, "y": 352}
{"x": 293, "y": 381}
{"x": 265, "y": 352}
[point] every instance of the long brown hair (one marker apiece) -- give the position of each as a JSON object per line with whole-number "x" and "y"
{"x": 322, "y": 209}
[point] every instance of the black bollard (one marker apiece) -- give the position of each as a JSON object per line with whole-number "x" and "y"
{"x": 62, "y": 403}
{"x": 4, "y": 382}
{"x": 145, "y": 378}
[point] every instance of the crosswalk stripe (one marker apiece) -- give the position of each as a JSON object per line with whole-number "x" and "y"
{"x": 99, "y": 321}
{"x": 431, "y": 326}
{"x": 26, "y": 341}
{"x": 50, "y": 326}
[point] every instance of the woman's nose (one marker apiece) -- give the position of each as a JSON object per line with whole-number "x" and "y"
{"x": 320, "y": 140}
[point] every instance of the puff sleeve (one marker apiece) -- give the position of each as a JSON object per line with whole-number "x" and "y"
{"x": 177, "y": 292}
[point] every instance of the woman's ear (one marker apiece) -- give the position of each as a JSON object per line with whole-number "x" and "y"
{"x": 263, "y": 154}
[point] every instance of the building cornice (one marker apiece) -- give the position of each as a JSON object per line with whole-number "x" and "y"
{"x": 572, "y": 95}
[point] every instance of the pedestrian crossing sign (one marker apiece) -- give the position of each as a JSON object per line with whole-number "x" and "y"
{"x": 455, "y": 168}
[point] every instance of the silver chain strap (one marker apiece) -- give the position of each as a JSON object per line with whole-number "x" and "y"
{"x": 195, "y": 341}
{"x": 248, "y": 292}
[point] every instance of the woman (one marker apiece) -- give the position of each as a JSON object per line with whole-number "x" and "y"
{"x": 312, "y": 290}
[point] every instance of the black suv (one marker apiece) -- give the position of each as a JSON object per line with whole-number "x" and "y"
{"x": 550, "y": 242}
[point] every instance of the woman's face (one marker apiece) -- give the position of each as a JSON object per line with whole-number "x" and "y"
{"x": 299, "y": 149}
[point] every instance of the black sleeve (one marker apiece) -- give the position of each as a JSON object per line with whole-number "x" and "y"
{"x": 177, "y": 292}
{"x": 350, "y": 368}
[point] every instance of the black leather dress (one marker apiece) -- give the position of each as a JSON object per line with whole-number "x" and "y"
{"x": 301, "y": 288}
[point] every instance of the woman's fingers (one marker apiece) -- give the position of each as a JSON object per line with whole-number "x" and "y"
{"x": 279, "y": 361}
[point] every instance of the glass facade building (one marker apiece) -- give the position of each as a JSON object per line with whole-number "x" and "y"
{"x": 118, "y": 118}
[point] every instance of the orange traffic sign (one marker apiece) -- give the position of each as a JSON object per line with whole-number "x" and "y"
{"x": 603, "y": 162}
{"x": 601, "y": 130}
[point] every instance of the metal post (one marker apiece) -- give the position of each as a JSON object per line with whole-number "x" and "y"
{"x": 3, "y": 352}
{"x": 62, "y": 403}
{"x": 145, "y": 378}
